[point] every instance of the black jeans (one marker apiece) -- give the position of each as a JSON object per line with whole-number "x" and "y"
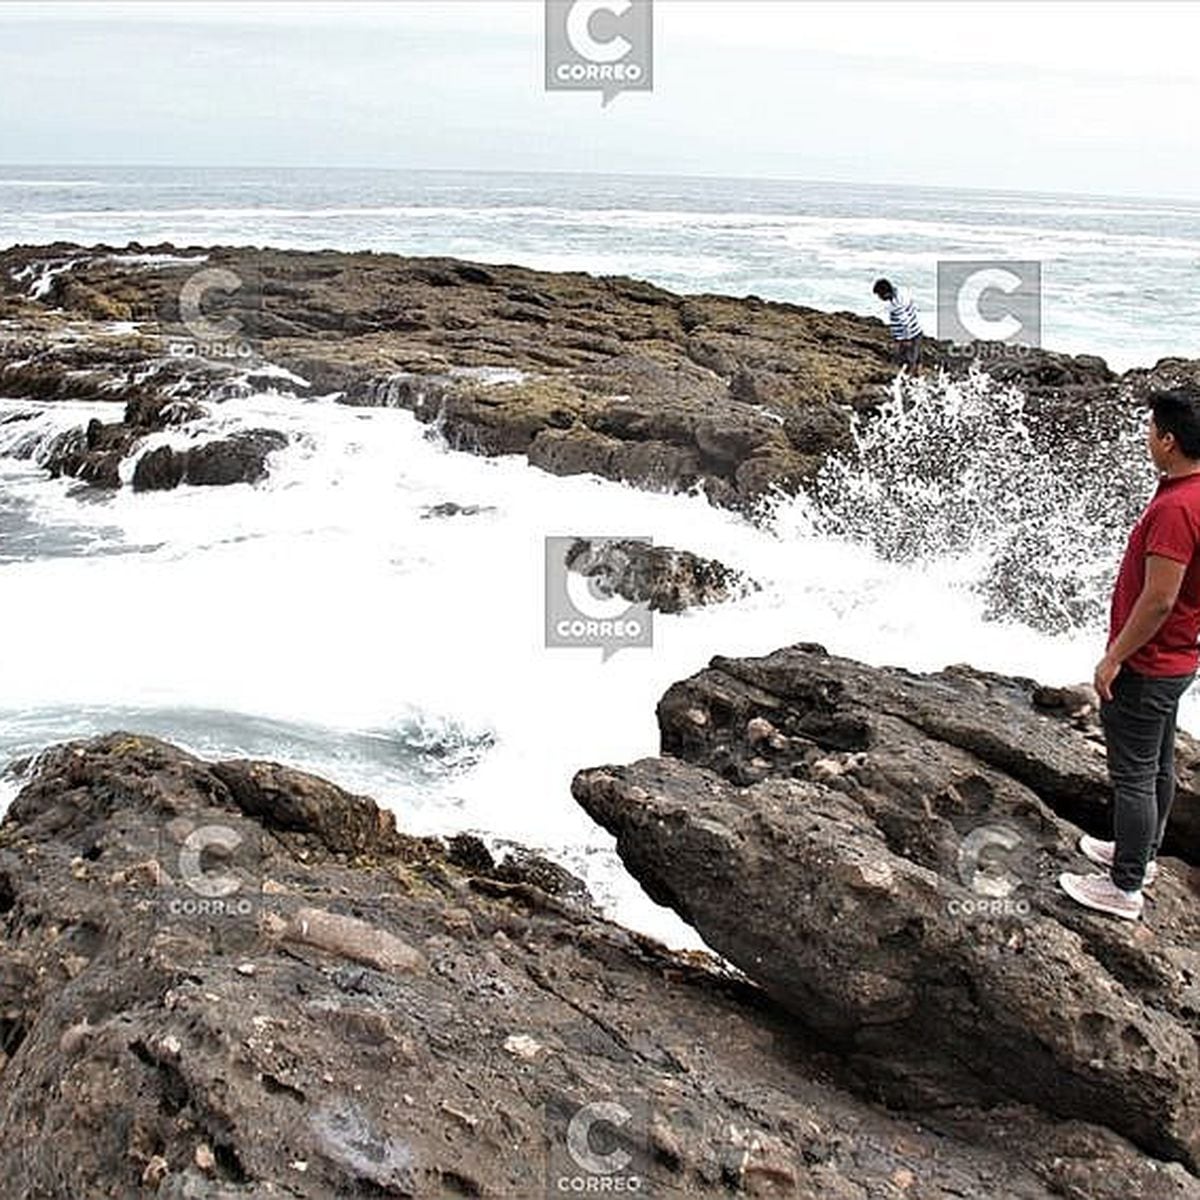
{"x": 1139, "y": 733}
{"x": 908, "y": 352}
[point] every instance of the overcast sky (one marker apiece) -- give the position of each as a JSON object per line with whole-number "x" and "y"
{"x": 1078, "y": 97}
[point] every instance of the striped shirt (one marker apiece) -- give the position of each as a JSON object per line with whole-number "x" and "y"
{"x": 902, "y": 316}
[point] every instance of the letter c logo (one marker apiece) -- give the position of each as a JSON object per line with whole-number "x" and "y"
{"x": 579, "y": 32}
{"x": 191, "y": 298}
{"x": 579, "y": 1132}
{"x": 191, "y": 856}
{"x": 980, "y": 845}
{"x": 970, "y": 302}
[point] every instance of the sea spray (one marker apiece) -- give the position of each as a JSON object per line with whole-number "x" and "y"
{"x": 970, "y": 469}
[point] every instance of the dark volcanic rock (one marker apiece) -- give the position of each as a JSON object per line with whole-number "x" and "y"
{"x": 880, "y": 850}
{"x": 236, "y": 980}
{"x": 159, "y": 470}
{"x": 239, "y": 458}
{"x": 93, "y": 454}
{"x": 149, "y": 411}
{"x": 663, "y": 579}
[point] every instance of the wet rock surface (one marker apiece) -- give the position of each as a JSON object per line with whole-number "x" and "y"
{"x": 879, "y": 849}
{"x": 239, "y": 458}
{"x": 660, "y": 577}
{"x": 235, "y": 979}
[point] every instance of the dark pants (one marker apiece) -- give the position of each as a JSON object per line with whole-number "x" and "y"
{"x": 908, "y": 352}
{"x": 1139, "y": 733}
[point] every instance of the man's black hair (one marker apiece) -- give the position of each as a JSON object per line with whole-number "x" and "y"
{"x": 883, "y": 289}
{"x": 1177, "y": 410}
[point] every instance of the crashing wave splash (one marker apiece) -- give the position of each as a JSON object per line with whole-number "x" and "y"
{"x": 970, "y": 468}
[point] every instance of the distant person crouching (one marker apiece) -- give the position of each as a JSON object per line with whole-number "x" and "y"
{"x": 906, "y": 325}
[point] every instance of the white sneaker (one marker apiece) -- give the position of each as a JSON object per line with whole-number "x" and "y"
{"x": 1099, "y": 892}
{"x": 1101, "y": 853}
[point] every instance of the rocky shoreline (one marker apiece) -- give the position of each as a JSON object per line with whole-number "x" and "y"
{"x": 234, "y": 979}
{"x": 739, "y": 398}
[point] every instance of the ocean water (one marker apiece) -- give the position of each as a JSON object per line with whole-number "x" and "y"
{"x": 1118, "y": 275}
{"x": 325, "y": 619}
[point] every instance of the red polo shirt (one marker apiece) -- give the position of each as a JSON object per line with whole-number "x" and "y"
{"x": 1169, "y": 526}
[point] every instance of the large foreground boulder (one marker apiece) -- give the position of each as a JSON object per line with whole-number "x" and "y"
{"x": 879, "y": 850}
{"x": 234, "y": 979}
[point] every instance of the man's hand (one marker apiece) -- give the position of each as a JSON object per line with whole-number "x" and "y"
{"x": 1106, "y": 672}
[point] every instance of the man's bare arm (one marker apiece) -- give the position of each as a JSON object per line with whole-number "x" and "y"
{"x": 1153, "y": 605}
{"x": 1159, "y": 592}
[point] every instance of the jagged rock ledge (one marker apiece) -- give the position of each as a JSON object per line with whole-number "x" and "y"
{"x": 234, "y": 979}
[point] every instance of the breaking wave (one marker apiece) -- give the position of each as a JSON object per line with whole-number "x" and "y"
{"x": 971, "y": 470}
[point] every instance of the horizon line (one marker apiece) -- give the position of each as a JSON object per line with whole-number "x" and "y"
{"x": 542, "y": 171}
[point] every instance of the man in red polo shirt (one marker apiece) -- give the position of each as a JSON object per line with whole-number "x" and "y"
{"x": 1151, "y": 659}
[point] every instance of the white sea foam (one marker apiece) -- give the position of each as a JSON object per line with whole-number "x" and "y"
{"x": 40, "y": 276}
